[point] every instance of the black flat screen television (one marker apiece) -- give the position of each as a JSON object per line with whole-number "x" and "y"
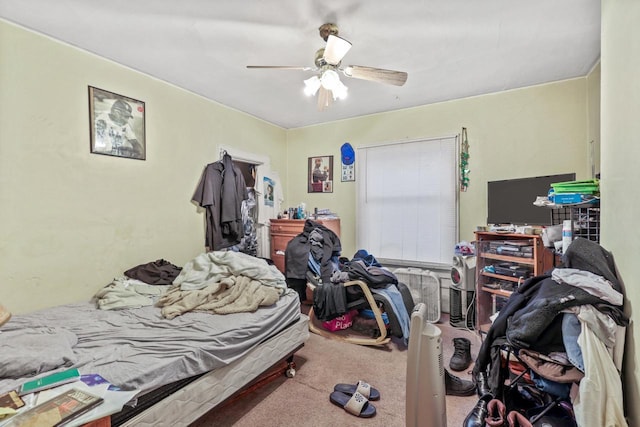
{"x": 511, "y": 201}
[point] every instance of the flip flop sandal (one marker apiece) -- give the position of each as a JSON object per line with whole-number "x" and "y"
{"x": 356, "y": 404}
{"x": 362, "y": 387}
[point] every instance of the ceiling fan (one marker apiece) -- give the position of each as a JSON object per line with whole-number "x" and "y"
{"x": 328, "y": 60}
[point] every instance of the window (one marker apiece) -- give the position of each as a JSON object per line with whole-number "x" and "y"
{"x": 407, "y": 208}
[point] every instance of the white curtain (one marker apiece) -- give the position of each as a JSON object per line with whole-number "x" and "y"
{"x": 407, "y": 200}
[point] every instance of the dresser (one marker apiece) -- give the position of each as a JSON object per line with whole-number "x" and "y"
{"x": 283, "y": 230}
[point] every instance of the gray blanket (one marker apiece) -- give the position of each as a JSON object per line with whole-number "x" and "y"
{"x": 36, "y": 350}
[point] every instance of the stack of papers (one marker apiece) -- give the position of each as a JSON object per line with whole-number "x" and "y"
{"x": 113, "y": 399}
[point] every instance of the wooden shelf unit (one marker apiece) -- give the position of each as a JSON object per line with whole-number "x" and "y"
{"x": 488, "y": 291}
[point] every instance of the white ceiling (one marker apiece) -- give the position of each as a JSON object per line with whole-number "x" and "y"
{"x": 450, "y": 48}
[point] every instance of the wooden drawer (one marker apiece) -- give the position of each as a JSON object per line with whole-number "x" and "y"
{"x": 278, "y": 261}
{"x": 278, "y": 247}
{"x": 291, "y": 227}
{"x": 279, "y": 244}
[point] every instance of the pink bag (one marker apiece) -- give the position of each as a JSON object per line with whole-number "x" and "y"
{"x": 342, "y": 322}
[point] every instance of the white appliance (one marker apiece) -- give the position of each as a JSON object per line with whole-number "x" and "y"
{"x": 426, "y": 404}
{"x": 425, "y": 288}
{"x": 463, "y": 272}
{"x": 462, "y": 291}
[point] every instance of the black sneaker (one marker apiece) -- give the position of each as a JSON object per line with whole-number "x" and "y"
{"x": 455, "y": 386}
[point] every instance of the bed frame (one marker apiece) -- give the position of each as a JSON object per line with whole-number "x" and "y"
{"x": 199, "y": 396}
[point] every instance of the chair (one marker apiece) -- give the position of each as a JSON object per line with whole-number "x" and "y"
{"x": 367, "y": 301}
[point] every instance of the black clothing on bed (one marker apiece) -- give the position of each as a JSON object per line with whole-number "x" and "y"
{"x": 158, "y": 272}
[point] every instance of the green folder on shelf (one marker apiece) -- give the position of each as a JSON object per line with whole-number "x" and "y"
{"x": 50, "y": 381}
{"x": 587, "y": 186}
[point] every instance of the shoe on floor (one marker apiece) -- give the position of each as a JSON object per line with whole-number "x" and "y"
{"x": 478, "y": 415}
{"x": 361, "y": 387}
{"x": 5, "y": 315}
{"x": 355, "y": 404}
{"x": 455, "y": 386}
{"x": 461, "y": 358}
{"x": 482, "y": 384}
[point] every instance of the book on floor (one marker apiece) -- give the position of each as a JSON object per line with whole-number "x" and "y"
{"x": 57, "y": 411}
{"x": 49, "y": 381}
{"x": 11, "y": 400}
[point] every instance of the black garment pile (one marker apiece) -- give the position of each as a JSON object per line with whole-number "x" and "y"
{"x": 314, "y": 256}
{"x": 530, "y": 325}
{"x": 159, "y": 272}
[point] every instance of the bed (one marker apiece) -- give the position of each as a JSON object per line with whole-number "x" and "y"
{"x": 195, "y": 360}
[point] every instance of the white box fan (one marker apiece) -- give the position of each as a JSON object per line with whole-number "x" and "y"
{"x": 425, "y": 288}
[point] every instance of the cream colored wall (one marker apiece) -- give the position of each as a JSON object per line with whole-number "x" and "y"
{"x": 593, "y": 109}
{"x": 71, "y": 221}
{"x": 620, "y": 128}
{"x": 538, "y": 130}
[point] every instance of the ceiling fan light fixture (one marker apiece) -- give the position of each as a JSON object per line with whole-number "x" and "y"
{"x": 339, "y": 91}
{"x": 329, "y": 79}
{"x": 311, "y": 86}
{"x": 326, "y": 82}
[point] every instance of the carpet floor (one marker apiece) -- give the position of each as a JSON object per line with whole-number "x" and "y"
{"x": 304, "y": 399}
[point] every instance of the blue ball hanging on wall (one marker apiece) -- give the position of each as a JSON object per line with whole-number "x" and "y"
{"x": 348, "y": 154}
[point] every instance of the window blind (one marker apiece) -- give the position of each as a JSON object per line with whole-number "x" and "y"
{"x": 407, "y": 205}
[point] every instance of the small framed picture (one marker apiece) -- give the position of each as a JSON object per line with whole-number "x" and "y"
{"x": 348, "y": 172}
{"x": 117, "y": 124}
{"x": 269, "y": 186}
{"x": 320, "y": 178}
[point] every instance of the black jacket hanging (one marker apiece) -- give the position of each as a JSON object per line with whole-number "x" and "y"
{"x": 220, "y": 191}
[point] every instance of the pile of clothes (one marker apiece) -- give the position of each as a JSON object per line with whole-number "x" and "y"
{"x": 565, "y": 330}
{"x": 314, "y": 255}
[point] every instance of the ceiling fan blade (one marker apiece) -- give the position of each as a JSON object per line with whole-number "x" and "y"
{"x": 281, "y": 67}
{"x": 324, "y": 99}
{"x": 336, "y": 49}
{"x": 397, "y": 78}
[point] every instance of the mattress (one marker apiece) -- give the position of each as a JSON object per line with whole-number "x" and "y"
{"x": 135, "y": 349}
{"x": 200, "y": 396}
